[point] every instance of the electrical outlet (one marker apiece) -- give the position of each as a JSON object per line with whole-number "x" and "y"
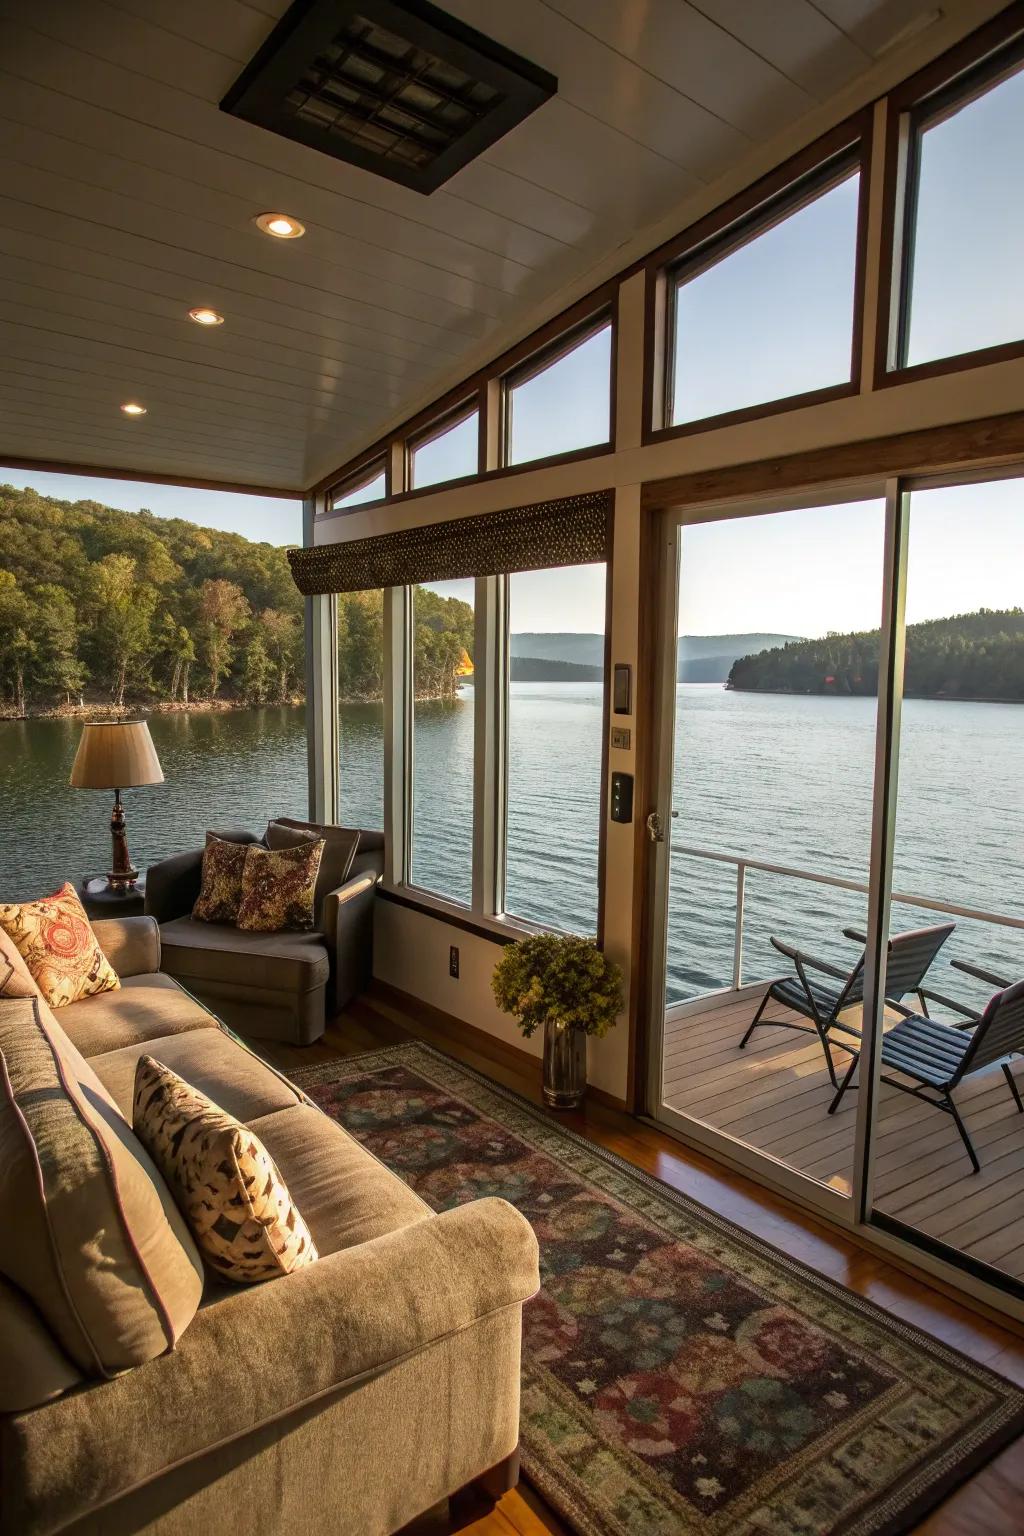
{"x": 453, "y": 961}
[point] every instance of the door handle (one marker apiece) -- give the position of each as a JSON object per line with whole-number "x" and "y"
{"x": 655, "y": 827}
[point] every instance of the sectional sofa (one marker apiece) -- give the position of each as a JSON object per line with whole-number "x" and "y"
{"x": 340, "y": 1400}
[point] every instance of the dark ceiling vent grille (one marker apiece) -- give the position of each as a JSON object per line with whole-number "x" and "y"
{"x": 395, "y": 86}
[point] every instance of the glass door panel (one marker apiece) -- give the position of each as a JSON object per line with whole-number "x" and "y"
{"x": 774, "y": 711}
{"x": 959, "y": 844}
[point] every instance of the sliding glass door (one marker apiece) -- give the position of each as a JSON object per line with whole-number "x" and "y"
{"x": 838, "y": 846}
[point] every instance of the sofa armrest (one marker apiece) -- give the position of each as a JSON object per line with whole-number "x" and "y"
{"x": 273, "y": 1348}
{"x": 131, "y": 944}
{"x": 347, "y": 919}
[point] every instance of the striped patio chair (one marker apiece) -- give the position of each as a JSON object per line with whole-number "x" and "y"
{"x": 820, "y": 1003}
{"x": 933, "y": 1057}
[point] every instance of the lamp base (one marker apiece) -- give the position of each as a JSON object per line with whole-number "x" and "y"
{"x": 122, "y": 874}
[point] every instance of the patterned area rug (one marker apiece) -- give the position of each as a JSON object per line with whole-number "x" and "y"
{"x": 679, "y": 1376}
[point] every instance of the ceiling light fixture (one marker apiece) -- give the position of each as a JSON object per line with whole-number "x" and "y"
{"x": 133, "y": 408}
{"x": 204, "y": 316}
{"x": 281, "y": 225}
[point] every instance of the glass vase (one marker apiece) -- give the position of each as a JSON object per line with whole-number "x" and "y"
{"x": 565, "y": 1066}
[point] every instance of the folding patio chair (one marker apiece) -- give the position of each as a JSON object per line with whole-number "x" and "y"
{"x": 936, "y": 1057}
{"x": 910, "y": 955}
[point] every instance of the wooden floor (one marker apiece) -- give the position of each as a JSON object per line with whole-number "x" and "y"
{"x": 990, "y": 1504}
{"x": 774, "y": 1095}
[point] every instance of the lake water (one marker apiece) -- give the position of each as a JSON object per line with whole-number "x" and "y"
{"x": 778, "y": 778}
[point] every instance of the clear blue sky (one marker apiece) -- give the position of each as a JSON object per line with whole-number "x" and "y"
{"x": 769, "y": 319}
{"x": 265, "y": 519}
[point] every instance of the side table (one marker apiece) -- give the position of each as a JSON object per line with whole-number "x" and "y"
{"x": 100, "y": 901}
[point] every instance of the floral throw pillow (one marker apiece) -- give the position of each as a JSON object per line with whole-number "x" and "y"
{"x": 279, "y": 887}
{"x": 244, "y": 1221}
{"x": 221, "y": 889}
{"x": 57, "y": 944}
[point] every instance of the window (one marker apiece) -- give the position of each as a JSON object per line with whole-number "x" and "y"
{"x": 447, "y": 453}
{"x": 555, "y": 728}
{"x": 965, "y": 233}
{"x": 370, "y": 485}
{"x": 563, "y": 404}
{"x": 441, "y": 855}
{"x": 361, "y": 708}
{"x": 773, "y": 316}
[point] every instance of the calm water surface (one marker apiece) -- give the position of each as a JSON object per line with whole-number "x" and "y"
{"x": 779, "y": 778}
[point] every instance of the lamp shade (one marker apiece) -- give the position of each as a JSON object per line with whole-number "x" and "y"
{"x": 116, "y": 754}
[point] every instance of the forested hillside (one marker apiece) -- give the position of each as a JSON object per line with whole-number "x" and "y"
{"x": 968, "y": 656}
{"x": 115, "y": 607}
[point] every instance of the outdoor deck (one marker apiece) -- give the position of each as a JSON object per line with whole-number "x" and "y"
{"x": 775, "y": 1095}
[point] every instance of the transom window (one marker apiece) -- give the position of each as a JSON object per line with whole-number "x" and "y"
{"x": 557, "y": 404}
{"x": 369, "y": 484}
{"x": 768, "y": 318}
{"x": 964, "y": 241}
{"x": 446, "y": 452}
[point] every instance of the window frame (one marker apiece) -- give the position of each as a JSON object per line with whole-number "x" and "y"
{"x": 962, "y": 75}
{"x": 453, "y": 417}
{"x": 825, "y": 164}
{"x": 538, "y": 362}
{"x": 363, "y": 476}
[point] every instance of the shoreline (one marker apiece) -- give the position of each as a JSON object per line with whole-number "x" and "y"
{"x": 928, "y": 698}
{"x": 145, "y": 708}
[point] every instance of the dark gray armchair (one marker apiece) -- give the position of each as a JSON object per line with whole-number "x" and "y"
{"x": 274, "y": 986}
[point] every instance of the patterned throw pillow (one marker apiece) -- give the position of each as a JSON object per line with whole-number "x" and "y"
{"x": 243, "y": 1219}
{"x": 221, "y": 889}
{"x": 279, "y": 887}
{"x": 57, "y": 944}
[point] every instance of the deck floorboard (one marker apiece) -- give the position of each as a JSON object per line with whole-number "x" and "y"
{"x": 774, "y": 1096}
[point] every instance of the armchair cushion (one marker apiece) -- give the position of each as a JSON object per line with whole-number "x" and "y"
{"x": 340, "y": 846}
{"x": 101, "y": 1249}
{"x": 292, "y": 962}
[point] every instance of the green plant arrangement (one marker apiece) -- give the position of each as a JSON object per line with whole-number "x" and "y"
{"x": 558, "y": 979}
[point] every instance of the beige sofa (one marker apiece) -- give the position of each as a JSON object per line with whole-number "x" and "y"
{"x": 341, "y": 1400}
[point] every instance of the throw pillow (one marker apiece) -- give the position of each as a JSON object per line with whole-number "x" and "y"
{"x": 57, "y": 944}
{"x": 340, "y": 846}
{"x": 279, "y": 888}
{"x": 242, "y": 1217}
{"x": 15, "y": 976}
{"x": 94, "y": 1239}
{"x": 220, "y": 890}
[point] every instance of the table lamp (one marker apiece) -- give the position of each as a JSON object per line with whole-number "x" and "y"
{"x": 117, "y": 754}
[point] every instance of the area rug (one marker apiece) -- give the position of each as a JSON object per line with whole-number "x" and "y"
{"x": 679, "y": 1376}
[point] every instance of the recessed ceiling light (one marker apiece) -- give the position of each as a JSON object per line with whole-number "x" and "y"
{"x": 133, "y": 408}
{"x": 203, "y": 316}
{"x": 282, "y": 225}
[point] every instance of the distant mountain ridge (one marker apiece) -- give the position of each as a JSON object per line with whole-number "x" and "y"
{"x": 701, "y": 658}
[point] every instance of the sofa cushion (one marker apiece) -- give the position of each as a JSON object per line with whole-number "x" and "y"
{"x": 144, "y": 1008}
{"x": 278, "y": 888}
{"x": 243, "y": 1218}
{"x": 220, "y": 887}
{"x": 340, "y": 845}
{"x": 211, "y": 1061}
{"x": 57, "y": 944}
{"x": 284, "y": 962}
{"x": 345, "y": 1194}
{"x": 101, "y": 1251}
{"x": 35, "y": 1369}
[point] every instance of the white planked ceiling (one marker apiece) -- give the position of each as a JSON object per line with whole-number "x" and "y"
{"x": 127, "y": 197}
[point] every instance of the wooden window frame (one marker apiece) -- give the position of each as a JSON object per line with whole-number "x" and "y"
{"x": 795, "y": 184}
{"x": 364, "y": 475}
{"x": 453, "y": 417}
{"x": 961, "y": 75}
{"x": 547, "y": 356}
